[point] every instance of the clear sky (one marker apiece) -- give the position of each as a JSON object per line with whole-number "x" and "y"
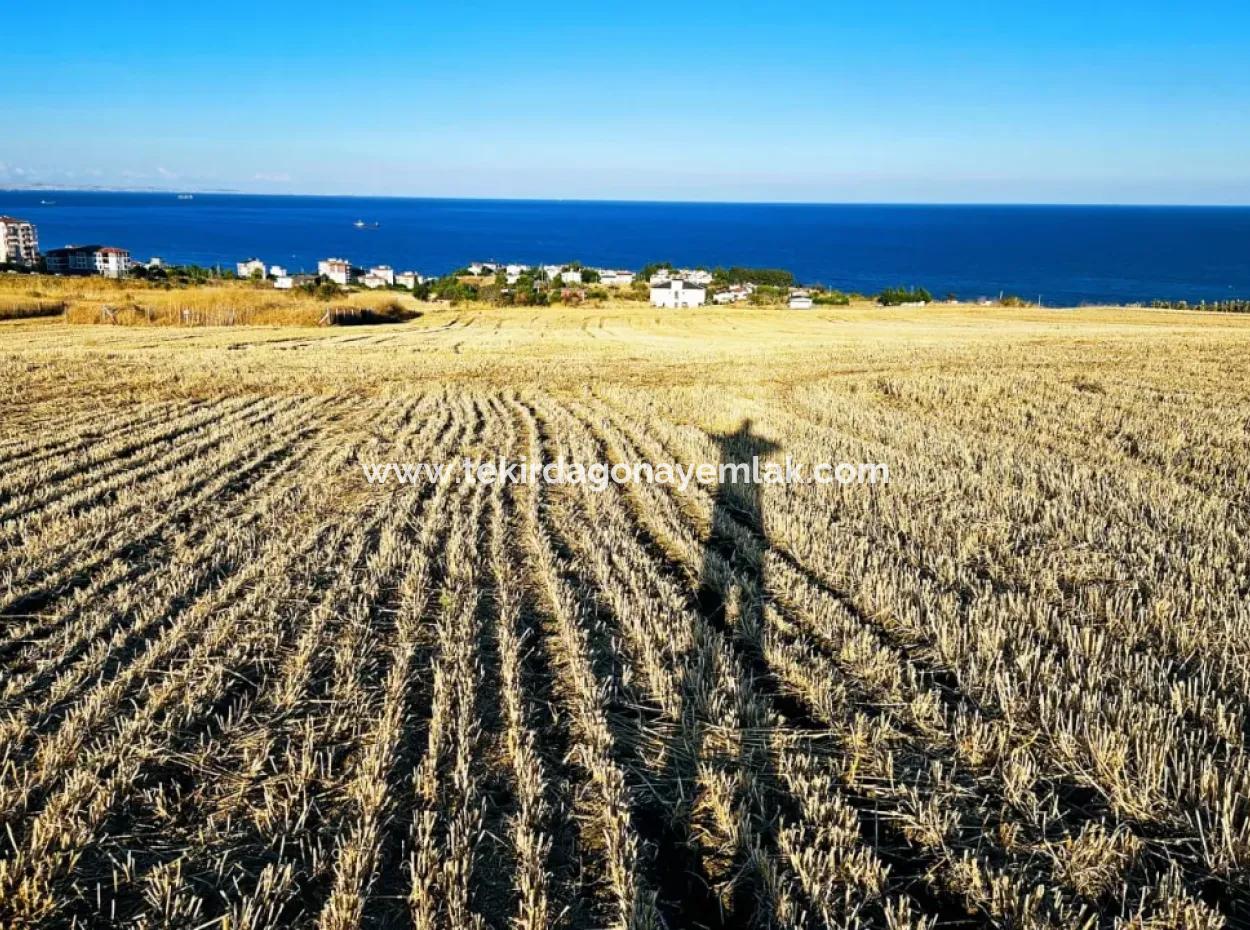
{"x": 940, "y": 100}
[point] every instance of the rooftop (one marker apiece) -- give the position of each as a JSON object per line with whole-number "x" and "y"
{"x": 678, "y": 282}
{"x": 88, "y": 248}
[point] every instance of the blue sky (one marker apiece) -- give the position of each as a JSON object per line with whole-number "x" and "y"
{"x": 1091, "y": 102}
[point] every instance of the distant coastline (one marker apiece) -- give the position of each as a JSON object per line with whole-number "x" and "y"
{"x": 1058, "y": 254}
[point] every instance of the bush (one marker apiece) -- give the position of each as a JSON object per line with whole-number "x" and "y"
{"x": 831, "y": 299}
{"x": 772, "y": 277}
{"x": 393, "y": 312}
{"x": 895, "y": 296}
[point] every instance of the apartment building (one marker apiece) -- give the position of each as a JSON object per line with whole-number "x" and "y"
{"x": 89, "y": 259}
{"x": 19, "y": 242}
{"x": 338, "y": 270}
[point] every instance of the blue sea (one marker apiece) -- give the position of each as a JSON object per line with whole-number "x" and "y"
{"x": 1063, "y": 254}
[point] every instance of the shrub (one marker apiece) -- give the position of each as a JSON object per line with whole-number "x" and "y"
{"x": 895, "y": 296}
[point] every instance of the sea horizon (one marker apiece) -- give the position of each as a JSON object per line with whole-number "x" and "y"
{"x": 235, "y": 192}
{"x": 1058, "y": 254}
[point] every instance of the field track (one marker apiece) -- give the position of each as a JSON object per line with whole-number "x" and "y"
{"x": 240, "y": 687}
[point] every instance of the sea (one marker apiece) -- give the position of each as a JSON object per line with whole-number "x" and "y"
{"x": 1060, "y": 255}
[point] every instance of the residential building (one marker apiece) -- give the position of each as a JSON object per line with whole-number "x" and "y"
{"x": 408, "y": 279}
{"x": 373, "y": 281}
{"x": 571, "y": 276}
{"x": 613, "y": 278}
{"x": 800, "y": 299}
{"x": 249, "y": 268}
{"x": 481, "y": 268}
{"x": 733, "y": 294}
{"x": 677, "y": 294}
{"x": 338, "y": 270}
{"x": 514, "y": 272}
{"x": 385, "y": 272}
{"x": 283, "y": 282}
{"x": 89, "y": 259}
{"x": 19, "y": 242}
{"x": 663, "y": 276}
{"x": 552, "y": 272}
{"x": 696, "y": 276}
{"x": 277, "y": 271}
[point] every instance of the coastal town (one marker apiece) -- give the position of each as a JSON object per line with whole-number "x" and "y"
{"x": 662, "y": 285}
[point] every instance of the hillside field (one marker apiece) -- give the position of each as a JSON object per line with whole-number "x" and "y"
{"x": 243, "y": 687}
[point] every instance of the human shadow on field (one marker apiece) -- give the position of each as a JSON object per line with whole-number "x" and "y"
{"x": 710, "y": 881}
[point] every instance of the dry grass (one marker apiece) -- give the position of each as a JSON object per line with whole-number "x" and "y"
{"x": 138, "y": 303}
{"x": 24, "y": 308}
{"x": 243, "y": 688}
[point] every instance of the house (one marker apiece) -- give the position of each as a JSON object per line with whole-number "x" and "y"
{"x": 19, "y": 242}
{"x": 733, "y": 294}
{"x": 514, "y": 272}
{"x": 385, "y": 272}
{"x": 373, "y": 281}
{"x": 408, "y": 279}
{"x": 283, "y": 282}
{"x": 89, "y": 259}
{"x": 800, "y": 300}
{"x": 613, "y": 278}
{"x": 250, "y": 267}
{"x": 663, "y": 276}
{"x": 696, "y": 277}
{"x": 277, "y": 271}
{"x": 571, "y": 276}
{"x": 482, "y": 268}
{"x": 552, "y": 272}
{"x": 338, "y": 270}
{"x": 677, "y": 293}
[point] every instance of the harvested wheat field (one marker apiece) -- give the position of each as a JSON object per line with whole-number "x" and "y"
{"x": 242, "y": 687}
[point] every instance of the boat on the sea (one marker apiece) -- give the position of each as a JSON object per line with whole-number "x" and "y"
{"x": 361, "y": 224}
{"x": 186, "y": 196}
{"x": 48, "y": 203}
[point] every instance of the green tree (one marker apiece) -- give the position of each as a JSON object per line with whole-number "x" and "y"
{"x": 894, "y": 296}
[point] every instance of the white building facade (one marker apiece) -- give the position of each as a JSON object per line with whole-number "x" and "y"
{"x": 338, "y": 270}
{"x": 678, "y": 293}
{"x": 246, "y": 269}
{"x": 19, "y": 242}
{"x": 614, "y": 278}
